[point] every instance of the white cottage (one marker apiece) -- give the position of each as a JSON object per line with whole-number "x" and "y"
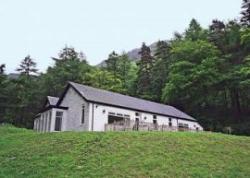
{"x": 84, "y": 108}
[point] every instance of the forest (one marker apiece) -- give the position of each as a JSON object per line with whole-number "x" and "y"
{"x": 202, "y": 71}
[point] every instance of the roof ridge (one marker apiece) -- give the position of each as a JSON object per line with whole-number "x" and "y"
{"x": 121, "y": 94}
{"x": 104, "y": 96}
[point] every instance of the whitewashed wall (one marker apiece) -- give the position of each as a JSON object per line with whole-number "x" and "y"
{"x": 74, "y": 102}
{"x": 42, "y": 123}
{"x": 101, "y": 117}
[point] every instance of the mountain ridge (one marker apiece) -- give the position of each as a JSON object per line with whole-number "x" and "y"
{"x": 133, "y": 54}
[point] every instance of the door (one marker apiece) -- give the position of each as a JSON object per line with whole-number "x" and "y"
{"x": 137, "y": 124}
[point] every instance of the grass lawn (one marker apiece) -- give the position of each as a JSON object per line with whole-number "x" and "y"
{"x": 24, "y": 153}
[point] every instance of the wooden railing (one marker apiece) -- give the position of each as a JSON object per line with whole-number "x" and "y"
{"x": 142, "y": 126}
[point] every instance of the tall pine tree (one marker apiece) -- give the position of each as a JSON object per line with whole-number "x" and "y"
{"x": 27, "y": 66}
{"x": 245, "y": 19}
{"x": 195, "y": 31}
{"x": 217, "y": 33}
{"x": 145, "y": 72}
{"x": 69, "y": 53}
{"x": 112, "y": 64}
{"x": 2, "y": 68}
{"x": 160, "y": 69}
{"x": 124, "y": 69}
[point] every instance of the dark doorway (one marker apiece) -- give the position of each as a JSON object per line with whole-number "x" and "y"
{"x": 155, "y": 124}
{"x": 58, "y": 121}
{"x": 136, "y": 123}
{"x": 58, "y": 124}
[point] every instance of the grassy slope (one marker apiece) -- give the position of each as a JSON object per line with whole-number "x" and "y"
{"x": 24, "y": 153}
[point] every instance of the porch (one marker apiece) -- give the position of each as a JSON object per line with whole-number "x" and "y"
{"x": 129, "y": 125}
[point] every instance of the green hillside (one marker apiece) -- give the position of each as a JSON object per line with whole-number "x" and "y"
{"x": 24, "y": 153}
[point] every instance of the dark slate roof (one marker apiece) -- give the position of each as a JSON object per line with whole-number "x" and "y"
{"x": 52, "y": 100}
{"x": 119, "y": 100}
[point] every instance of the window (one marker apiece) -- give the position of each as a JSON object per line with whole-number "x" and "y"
{"x": 83, "y": 114}
{"x": 42, "y": 123}
{"x": 58, "y": 121}
{"x": 127, "y": 116}
{"x": 111, "y": 113}
{"x": 137, "y": 114}
{"x": 154, "y": 116}
{"x": 113, "y": 119}
{"x": 39, "y": 124}
{"x": 155, "y": 124}
{"x": 118, "y": 114}
{"x": 45, "y": 123}
{"x": 49, "y": 121}
{"x": 183, "y": 126}
{"x": 170, "y": 122}
{"x": 136, "y": 124}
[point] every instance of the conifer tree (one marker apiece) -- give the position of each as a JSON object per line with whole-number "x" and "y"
{"x": 245, "y": 19}
{"x": 69, "y": 53}
{"x": 195, "y": 31}
{"x": 160, "y": 69}
{"x": 112, "y": 64}
{"x": 2, "y": 69}
{"x": 144, "y": 73}
{"x": 27, "y": 66}
{"x": 217, "y": 34}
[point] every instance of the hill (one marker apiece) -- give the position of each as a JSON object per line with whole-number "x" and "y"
{"x": 24, "y": 153}
{"x": 132, "y": 54}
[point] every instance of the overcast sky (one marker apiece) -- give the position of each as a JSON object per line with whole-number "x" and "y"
{"x": 42, "y": 27}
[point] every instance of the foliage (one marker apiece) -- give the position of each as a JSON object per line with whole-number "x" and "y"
{"x": 160, "y": 69}
{"x": 145, "y": 72}
{"x": 27, "y": 66}
{"x": 100, "y": 78}
{"x": 245, "y": 37}
{"x": 245, "y": 19}
{"x": 195, "y": 31}
{"x": 121, "y": 70}
{"x": 2, "y": 68}
{"x": 68, "y": 67}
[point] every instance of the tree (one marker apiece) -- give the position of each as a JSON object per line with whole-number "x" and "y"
{"x": 69, "y": 53}
{"x": 101, "y": 78}
{"x": 144, "y": 73}
{"x": 160, "y": 69}
{"x": 195, "y": 31}
{"x": 245, "y": 19}
{"x": 120, "y": 67}
{"x": 217, "y": 34}
{"x": 194, "y": 70}
{"x": 112, "y": 64}
{"x": 125, "y": 70}
{"x": 68, "y": 67}
{"x": 27, "y": 66}
{"x": 245, "y": 38}
{"x": 2, "y": 69}
{"x": 3, "y": 92}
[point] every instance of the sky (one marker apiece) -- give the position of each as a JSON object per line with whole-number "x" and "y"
{"x": 41, "y": 28}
